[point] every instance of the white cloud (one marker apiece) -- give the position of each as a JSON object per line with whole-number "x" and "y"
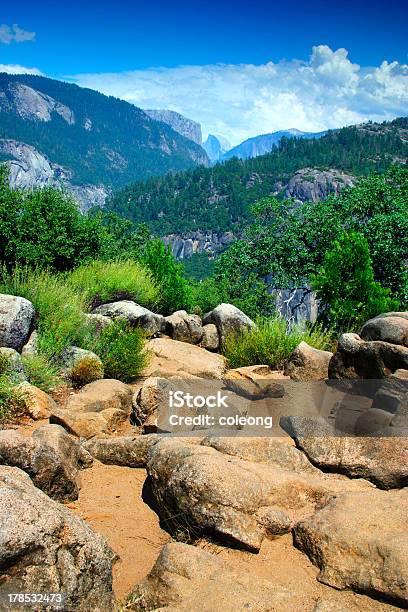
{"x": 244, "y": 100}
{"x": 14, "y": 33}
{"x": 17, "y": 69}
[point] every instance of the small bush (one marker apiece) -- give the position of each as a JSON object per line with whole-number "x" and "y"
{"x": 122, "y": 351}
{"x": 4, "y": 364}
{"x": 58, "y": 307}
{"x": 271, "y": 343}
{"x": 12, "y": 403}
{"x": 41, "y": 373}
{"x": 100, "y": 282}
{"x": 175, "y": 291}
{"x": 346, "y": 288}
{"x": 85, "y": 371}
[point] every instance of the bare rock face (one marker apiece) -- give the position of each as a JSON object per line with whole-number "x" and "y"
{"x": 228, "y": 319}
{"x": 307, "y": 363}
{"x": 382, "y": 460}
{"x": 45, "y": 548}
{"x": 173, "y": 358}
{"x": 184, "y": 575}
{"x": 136, "y": 315}
{"x": 50, "y": 457}
{"x": 184, "y": 327}
{"x": 311, "y": 184}
{"x": 97, "y": 409}
{"x": 239, "y": 501}
{"x": 16, "y": 319}
{"x": 130, "y": 451}
{"x": 186, "y": 127}
{"x": 360, "y": 541}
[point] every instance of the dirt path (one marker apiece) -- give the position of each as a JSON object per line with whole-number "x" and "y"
{"x": 111, "y": 501}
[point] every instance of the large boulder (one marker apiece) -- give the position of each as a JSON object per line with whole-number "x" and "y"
{"x": 382, "y": 460}
{"x": 97, "y": 409}
{"x": 82, "y": 366}
{"x": 239, "y": 501}
{"x": 187, "y": 578}
{"x": 356, "y": 359}
{"x": 172, "y": 358}
{"x": 16, "y": 319}
{"x": 255, "y": 382}
{"x": 50, "y": 457}
{"x": 228, "y": 319}
{"x": 134, "y": 314}
{"x": 129, "y": 451}
{"x": 44, "y": 548}
{"x": 389, "y": 327}
{"x": 184, "y": 327}
{"x": 360, "y": 541}
{"x": 307, "y": 363}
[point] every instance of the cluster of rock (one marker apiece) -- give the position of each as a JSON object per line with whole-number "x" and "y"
{"x": 343, "y": 497}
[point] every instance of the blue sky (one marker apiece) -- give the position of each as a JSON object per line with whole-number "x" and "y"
{"x": 239, "y": 68}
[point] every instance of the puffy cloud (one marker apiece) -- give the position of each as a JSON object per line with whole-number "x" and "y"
{"x": 14, "y": 34}
{"x": 17, "y": 69}
{"x": 244, "y": 100}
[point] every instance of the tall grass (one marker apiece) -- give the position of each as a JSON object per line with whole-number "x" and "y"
{"x": 99, "y": 282}
{"x": 59, "y": 309}
{"x": 271, "y": 343}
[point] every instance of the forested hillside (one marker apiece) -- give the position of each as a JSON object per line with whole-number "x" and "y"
{"x": 96, "y": 139}
{"x": 218, "y": 198}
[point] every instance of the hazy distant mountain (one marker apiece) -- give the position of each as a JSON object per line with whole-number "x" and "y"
{"x": 215, "y": 147}
{"x": 184, "y": 126}
{"x": 259, "y": 145}
{"x": 56, "y": 133}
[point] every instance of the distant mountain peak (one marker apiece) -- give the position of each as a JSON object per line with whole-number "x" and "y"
{"x": 181, "y": 124}
{"x": 216, "y": 146}
{"x": 264, "y": 143}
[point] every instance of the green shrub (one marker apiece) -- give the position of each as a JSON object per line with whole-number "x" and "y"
{"x": 12, "y": 403}
{"x": 41, "y": 373}
{"x": 207, "y": 294}
{"x": 271, "y": 343}
{"x": 175, "y": 291}
{"x": 122, "y": 351}
{"x": 85, "y": 371}
{"x": 99, "y": 282}
{"x": 60, "y": 320}
{"x": 346, "y": 288}
{"x": 4, "y": 364}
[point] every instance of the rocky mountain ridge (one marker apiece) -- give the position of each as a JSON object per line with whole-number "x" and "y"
{"x": 82, "y": 140}
{"x": 186, "y": 127}
{"x": 264, "y": 143}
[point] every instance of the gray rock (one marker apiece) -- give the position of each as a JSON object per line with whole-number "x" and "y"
{"x": 136, "y": 315}
{"x": 368, "y": 360}
{"x": 81, "y": 366}
{"x": 391, "y": 328}
{"x": 184, "y": 126}
{"x": 382, "y": 460}
{"x": 30, "y": 349}
{"x": 15, "y": 368}
{"x": 372, "y": 422}
{"x": 184, "y": 327}
{"x": 307, "y": 363}
{"x": 45, "y": 548}
{"x": 210, "y": 339}
{"x": 359, "y": 541}
{"x": 130, "y": 451}
{"x": 228, "y": 319}
{"x": 16, "y": 319}
{"x": 50, "y": 457}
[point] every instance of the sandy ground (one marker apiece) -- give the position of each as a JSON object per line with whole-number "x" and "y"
{"x": 111, "y": 502}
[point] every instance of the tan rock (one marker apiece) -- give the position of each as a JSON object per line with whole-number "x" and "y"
{"x": 359, "y": 541}
{"x": 39, "y": 404}
{"x": 172, "y": 358}
{"x": 307, "y": 363}
{"x": 100, "y": 395}
{"x": 210, "y": 339}
{"x": 89, "y": 424}
{"x": 186, "y": 578}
